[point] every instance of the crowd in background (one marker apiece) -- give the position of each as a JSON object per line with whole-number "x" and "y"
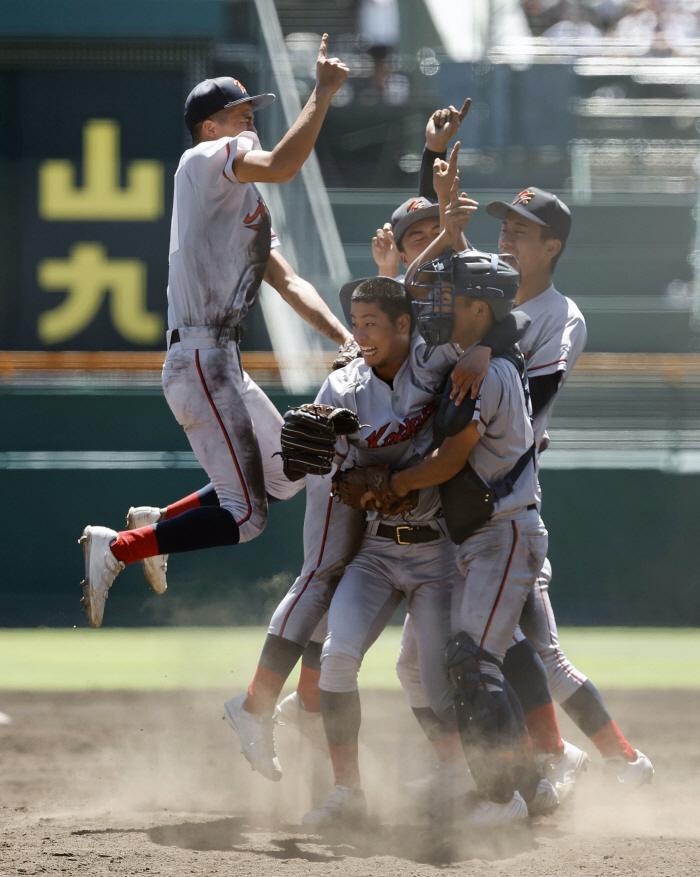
{"x": 635, "y": 27}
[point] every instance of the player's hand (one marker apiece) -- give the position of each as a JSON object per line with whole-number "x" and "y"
{"x": 385, "y": 251}
{"x": 443, "y": 125}
{"x": 331, "y": 73}
{"x": 370, "y": 503}
{"x": 459, "y": 211}
{"x": 444, "y": 174}
{"x": 469, "y": 372}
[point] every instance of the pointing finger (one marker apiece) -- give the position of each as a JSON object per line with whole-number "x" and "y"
{"x": 323, "y": 48}
{"x": 453, "y": 158}
{"x": 465, "y": 109}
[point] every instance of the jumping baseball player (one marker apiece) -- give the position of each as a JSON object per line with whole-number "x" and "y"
{"x": 219, "y": 253}
{"x": 535, "y": 229}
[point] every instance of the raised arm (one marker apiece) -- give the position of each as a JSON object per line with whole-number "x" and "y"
{"x": 287, "y": 158}
{"x": 441, "y": 128}
{"x": 443, "y": 464}
{"x": 303, "y": 297}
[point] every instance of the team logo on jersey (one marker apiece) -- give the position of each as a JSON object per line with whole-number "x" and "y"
{"x": 409, "y": 427}
{"x": 416, "y": 204}
{"x": 253, "y": 221}
{"x": 241, "y": 86}
{"x": 524, "y": 197}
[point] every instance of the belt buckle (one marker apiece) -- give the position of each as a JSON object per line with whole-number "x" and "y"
{"x": 398, "y": 535}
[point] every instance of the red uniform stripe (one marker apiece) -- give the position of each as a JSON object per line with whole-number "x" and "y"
{"x": 318, "y": 563}
{"x": 228, "y": 441}
{"x": 228, "y": 155}
{"x": 537, "y": 367}
{"x": 503, "y": 583}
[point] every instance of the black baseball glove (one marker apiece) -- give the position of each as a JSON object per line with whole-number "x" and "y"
{"x": 309, "y": 434}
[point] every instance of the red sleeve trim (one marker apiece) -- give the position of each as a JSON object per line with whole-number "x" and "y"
{"x": 546, "y": 365}
{"x": 228, "y": 155}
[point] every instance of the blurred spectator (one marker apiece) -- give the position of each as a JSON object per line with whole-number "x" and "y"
{"x": 378, "y": 29}
{"x": 655, "y": 27}
{"x": 575, "y": 31}
{"x": 470, "y": 29}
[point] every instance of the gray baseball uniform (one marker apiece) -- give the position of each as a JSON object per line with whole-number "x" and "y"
{"x": 219, "y": 247}
{"x": 553, "y": 342}
{"x": 332, "y": 531}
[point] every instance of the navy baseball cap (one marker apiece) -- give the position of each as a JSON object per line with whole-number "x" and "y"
{"x": 541, "y": 207}
{"x": 411, "y": 211}
{"x": 213, "y": 95}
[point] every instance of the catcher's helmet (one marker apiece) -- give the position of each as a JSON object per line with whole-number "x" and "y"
{"x": 472, "y": 273}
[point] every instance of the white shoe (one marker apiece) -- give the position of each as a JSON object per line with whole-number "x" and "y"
{"x": 290, "y": 711}
{"x": 5, "y": 719}
{"x": 545, "y": 800}
{"x": 256, "y": 734}
{"x": 154, "y": 568}
{"x": 631, "y": 774}
{"x": 484, "y": 814}
{"x": 344, "y": 805}
{"x": 101, "y": 569}
{"x": 563, "y": 770}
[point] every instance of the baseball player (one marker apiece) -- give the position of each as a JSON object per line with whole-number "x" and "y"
{"x": 403, "y": 554}
{"x": 535, "y": 229}
{"x": 220, "y": 244}
{"x": 486, "y": 466}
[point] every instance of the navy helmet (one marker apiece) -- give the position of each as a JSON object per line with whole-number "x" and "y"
{"x": 472, "y": 273}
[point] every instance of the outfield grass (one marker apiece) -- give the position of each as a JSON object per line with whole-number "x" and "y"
{"x": 225, "y": 658}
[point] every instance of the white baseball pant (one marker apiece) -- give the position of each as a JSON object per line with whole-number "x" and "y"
{"x": 375, "y": 582}
{"x": 332, "y": 535}
{"x": 232, "y": 426}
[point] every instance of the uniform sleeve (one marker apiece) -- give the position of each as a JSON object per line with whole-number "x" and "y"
{"x": 425, "y": 180}
{"x": 488, "y": 401}
{"x": 559, "y": 352}
{"x": 212, "y": 163}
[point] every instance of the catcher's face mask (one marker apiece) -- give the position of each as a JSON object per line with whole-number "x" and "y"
{"x": 471, "y": 274}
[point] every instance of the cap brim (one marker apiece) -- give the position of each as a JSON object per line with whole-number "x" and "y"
{"x": 414, "y": 216}
{"x": 500, "y": 209}
{"x": 257, "y": 102}
{"x": 345, "y": 294}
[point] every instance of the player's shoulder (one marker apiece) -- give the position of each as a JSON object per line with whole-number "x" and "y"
{"x": 351, "y": 376}
{"x": 205, "y": 162}
{"x": 568, "y": 308}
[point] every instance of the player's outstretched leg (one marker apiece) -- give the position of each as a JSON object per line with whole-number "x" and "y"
{"x": 302, "y": 708}
{"x": 576, "y": 694}
{"x": 107, "y": 552}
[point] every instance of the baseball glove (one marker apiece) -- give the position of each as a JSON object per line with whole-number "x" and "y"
{"x": 352, "y": 484}
{"x": 346, "y": 353}
{"x": 308, "y": 439}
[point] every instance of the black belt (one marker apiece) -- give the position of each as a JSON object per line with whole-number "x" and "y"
{"x": 532, "y": 508}
{"x": 405, "y": 535}
{"x": 235, "y": 333}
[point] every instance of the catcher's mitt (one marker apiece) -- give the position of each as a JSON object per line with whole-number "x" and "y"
{"x": 346, "y": 353}
{"x": 308, "y": 438}
{"x": 352, "y": 484}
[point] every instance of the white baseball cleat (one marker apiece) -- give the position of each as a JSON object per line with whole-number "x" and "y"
{"x": 154, "y": 568}
{"x": 101, "y": 569}
{"x": 256, "y": 734}
{"x": 290, "y": 711}
{"x": 631, "y": 774}
{"x": 344, "y": 805}
{"x": 563, "y": 770}
{"x": 5, "y": 719}
{"x": 482, "y": 813}
{"x": 545, "y": 800}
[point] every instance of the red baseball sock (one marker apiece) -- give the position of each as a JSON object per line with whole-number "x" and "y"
{"x": 308, "y": 689}
{"x": 346, "y": 766}
{"x": 182, "y": 505}
{"x": 544, "y": 729}
{"x": 133, "y": 545}
{"x": 264, "y": 691}
{"x": 612, "y": 743}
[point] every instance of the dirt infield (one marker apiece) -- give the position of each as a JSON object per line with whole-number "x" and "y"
{"x": 153, "y": 784}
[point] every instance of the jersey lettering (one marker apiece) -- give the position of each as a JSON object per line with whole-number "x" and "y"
{"x": 407, "y": 429}
{"x": 260, "y": 215}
